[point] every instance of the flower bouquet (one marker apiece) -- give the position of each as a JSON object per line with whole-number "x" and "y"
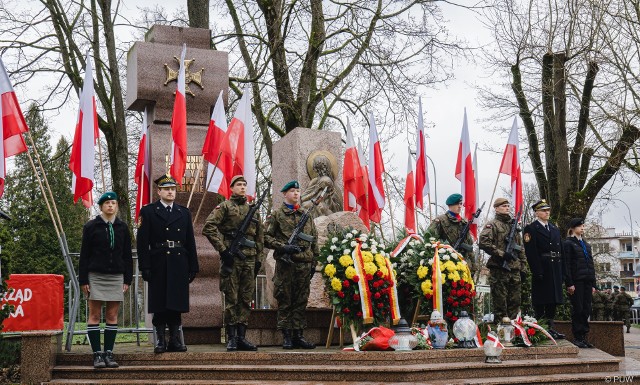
{"x": 528, "y": 332}
{"x": 359, "y": 278}
{"x": 414, "y": 264}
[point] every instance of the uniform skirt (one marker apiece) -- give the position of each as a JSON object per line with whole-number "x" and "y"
{"x": 106, "y": 287}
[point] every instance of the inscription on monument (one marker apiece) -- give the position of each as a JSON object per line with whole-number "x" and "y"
{"x": 189, "y": 178}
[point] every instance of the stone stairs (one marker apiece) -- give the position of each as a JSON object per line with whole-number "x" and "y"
{"x": 210, "y": 364}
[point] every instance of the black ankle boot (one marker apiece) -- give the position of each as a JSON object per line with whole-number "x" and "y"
{"x": 243, "y": 344}
{"x": 109, "y": 360}
{"x": 299, "y": 341}
{"x": 98, "y": 360}
{"x": 232, "y": 338}
{"x": 175, "y": 342}
{"x": 286, "y": 339}
{"x": 161, "y": 343}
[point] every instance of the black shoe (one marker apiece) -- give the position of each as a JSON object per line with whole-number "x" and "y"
{"x": 108, "y": 359}
{"x": 243, "y": 343}
{"x": 232, "y": 338}
{"x": 299, "y": 341}
{"x": 556, "y": 335}
{"x": 161, "y": 343}
{"x": 286, "y": 339}
{"x": 98, "y": 360}
{"x": 580, "y": 343}
{"x": 175, "y": 342}
{"x": 589, "y": 345}
{"x": 628, "y": 329}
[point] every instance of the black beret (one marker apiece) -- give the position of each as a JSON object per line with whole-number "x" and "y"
{"x": 575, "y": 222}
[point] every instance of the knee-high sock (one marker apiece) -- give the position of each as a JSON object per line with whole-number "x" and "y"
{"x": 110, "y": 332}
{"x": 93, "y": 332}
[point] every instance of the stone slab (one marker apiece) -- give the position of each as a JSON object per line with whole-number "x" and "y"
{"x": 172, "y": 35}
{"x": 38, "y": 355}
{"x": 607, "y": 336}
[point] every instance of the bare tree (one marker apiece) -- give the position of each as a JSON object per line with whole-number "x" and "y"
{"x": 574, "y": 84}
{"x": 198, "y": 11}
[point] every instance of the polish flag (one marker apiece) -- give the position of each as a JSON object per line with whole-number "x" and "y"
{"x": 351, "y": 172}
{"x": 142, "y": 176}
{"x": 376, "y": 169}
{"x": 511, "y": 165}
{"x": 474, "y": 226}
{"x": 216, "y": 160}
{"x": 84, "y": 141}
{"x": 465, "y": 174}
{"x": 422, "y": 173}
{"x": 179, "y": 126}
{"x": 409, "y": 199}
{"x": 238, "y": 144}
{"x": 363, "y": 197}
{"x": 12, "y": 124}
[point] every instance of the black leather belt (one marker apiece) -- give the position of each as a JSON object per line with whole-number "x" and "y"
{"x": 169, "y": 244}
{"x": 552, "y": 254}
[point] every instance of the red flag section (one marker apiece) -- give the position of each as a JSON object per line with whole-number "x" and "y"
{"x": 421, "y": 172}
{"x": 465, "y": 174}
{"x": 511, "y": 165}
{"x": 355, "y": 191}
{"x": 363, "y": 199}
{"x": 409, "y": 199}
{"x": 12, "y": 124}
{"x": 84, "y": 141}
{"x": 219, "y": 164}
{"x": 142, "y": 176}
{"x": 376, "y": 169}
{"x": 179, "y": 125}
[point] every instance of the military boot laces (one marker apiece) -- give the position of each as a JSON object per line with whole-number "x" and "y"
{"x": 98, "y": 360}
{"x": 109, "y": 360}
{"x": 286, "y": 339}
{"x": 232, "y": 341}
{"x": 243, "y": 343}
{"x": 299, "y": 341}
{"x": 175, "y": 342}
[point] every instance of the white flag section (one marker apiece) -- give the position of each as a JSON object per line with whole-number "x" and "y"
{"x": 421, "y": 171}
{"x": 375, "y": 170}
{"x": 464, "y": 173}
{"x": 511, "y": 165}
{"x": 220, "y": 178}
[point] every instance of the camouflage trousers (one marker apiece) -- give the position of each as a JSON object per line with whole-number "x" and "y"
{"x": 622, "y": 315}
{"x": 291, "y": 289}
{"x": 505, "y": 293}
{"x": 238, "y": 290}
{"x": 597, "y": 314}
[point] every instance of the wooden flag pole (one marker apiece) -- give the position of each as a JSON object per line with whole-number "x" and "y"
{"x": 204, "y": 195}
{"x": 44, "y": 194}
{"x": 491, "y": 200}
{"x": 104, "y": 186}
{"x": 195, "y": 182}
{"x": 393, "y": 227}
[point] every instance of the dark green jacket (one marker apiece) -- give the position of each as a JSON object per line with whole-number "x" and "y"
{"x": 280, "y": 225}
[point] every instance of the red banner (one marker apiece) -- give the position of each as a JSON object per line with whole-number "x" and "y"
{"x": 38, "y": 301}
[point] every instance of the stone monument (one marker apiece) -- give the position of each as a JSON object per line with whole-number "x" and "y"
{"x": 151, "y": 82}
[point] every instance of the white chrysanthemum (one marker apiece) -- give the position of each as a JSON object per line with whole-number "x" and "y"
{"x": 363, "y": 237}
{"x": 410, "y": 251}
{"x": 349, "y": 236}
{"x": 333, "y": 248}
{"x": 381, "y": 245}
{"x": 432, "y": 239}
{"x": 334, "y": 240}
{"x": 404, "y": 259}
{"x": 374, "y": 249}
{"x": 421, "y": 253}
{"x": 431, "y": 261}
{"x": 354, "y": 231}
{"x": 330, "y": 258}
{"x": 344, "y": 241}
{"x": 353, "y": 243}
{"x": 365, "y": 246}
{"x": 346, "y": 252}
{"x": 412, "y": 243}
{"x": 421, "y": 262}
{"x": 446, "y": 257}
{"x": 394, "y": 265}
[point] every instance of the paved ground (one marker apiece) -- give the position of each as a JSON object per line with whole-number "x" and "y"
{"x": 632, "y": 343}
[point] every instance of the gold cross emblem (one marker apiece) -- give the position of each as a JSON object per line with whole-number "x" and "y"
{"x": 190, "y": 77}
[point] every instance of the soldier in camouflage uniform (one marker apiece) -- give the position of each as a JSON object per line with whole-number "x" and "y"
{"x": 598, "y": 302}
{"x": 505, "y": 285}
{"x": 447, "y": 228}
{"x": 608, "y": 305}
{"x": 239, "y": 285}
{"x": 621, "y": 308}
{"x": 294, "y": 264}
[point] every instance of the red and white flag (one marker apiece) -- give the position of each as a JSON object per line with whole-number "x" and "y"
{"x": 142, "y": 176}
{"x": 421, "y": 173}
{"x": 409, "y": 199}
{"x": 84, "y": 141}
{"x": 375, "y": 194}
{"x": 351, "y": 171}
{"x": 12, "y": 124}
{"x": 179, "y": 125}
{"x": 363, "y": 198}
{"x": 511, "y": 165}
{"x": 217, "y": 160}
{"x": 238, "y": 144}
{"x": 466, "y": 176}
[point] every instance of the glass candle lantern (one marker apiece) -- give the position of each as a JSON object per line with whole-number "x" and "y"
{"x": 506, "y": 332}
{"x": 465, "y": 330}
{"x": 403, "y": 340}
{"x": 438, "y": 331}
{"x": 492, "y": 350}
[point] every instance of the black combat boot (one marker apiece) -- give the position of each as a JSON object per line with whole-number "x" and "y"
{"x": 586, "y": 342}
{"x": 98, "y": 360}
{"x": 243, "y": 344}
{"x": 579, "y": 342}
{"x": 161, "y": 343}
{"x": 175, "y": 342}
{"x": 299, "y": 341}
{"x": 286, "y": 339}
{"x": 109, "y": 360}
{"x": 232, "y": 339}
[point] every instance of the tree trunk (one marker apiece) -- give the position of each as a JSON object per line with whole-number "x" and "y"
{"x": 198, "y": 11}
{"x": 559, "y": 128}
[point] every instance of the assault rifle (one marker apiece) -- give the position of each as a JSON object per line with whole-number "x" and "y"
{"x": 511, "y": 241}
{"x": 465, "y": 232}
{"x": 297, "y": 231}
{"x": 239, "y": 238}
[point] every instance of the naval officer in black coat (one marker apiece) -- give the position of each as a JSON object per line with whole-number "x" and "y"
{"x": 543, "y": 248}
{"x": 168, "y": 261}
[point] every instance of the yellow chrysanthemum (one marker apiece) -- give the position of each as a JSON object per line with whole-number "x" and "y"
{"x": 346, "y": 260}
{"x": 453, "y": 276}
{"x": 384, "y": 270}
{"x": 422, "y": 271}
{"x": 336, "y": 284}
{"x": 426, "y": 287}
{"x": 350, "y": 272}
{"x": 367, "y": 256}
{"x": 428, "y": 282}
{"x": 380, "y": 260}
{"x": 461, "y": 266}
{"x": 443, "y": 267}
{"x": 370, "y": 268}
{"x": 450, "y": 266}
{"x": 330, "y": 270}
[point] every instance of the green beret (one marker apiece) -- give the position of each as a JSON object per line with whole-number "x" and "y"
{"x": 500, "y": 201}
{"x": 540, "y": 205}
{"x": 108, "y": 196}
{"x": 237, "y": 178}
{"x": 166, "y": 181}
{"x": 454, "y": 199}
{"x": 290, "y": 185}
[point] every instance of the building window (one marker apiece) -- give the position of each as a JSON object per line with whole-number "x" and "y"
{"x": 600, "y": 248}
{"x": 626, "y": 246}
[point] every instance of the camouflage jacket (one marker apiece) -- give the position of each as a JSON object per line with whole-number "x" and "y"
{"x": 280, "y": 225}
{"x": 598, "y": 300}
{"x": 622, "y": 302}
{"x": 226, "y": 218}
{"x": 492, "y": 240}
{"x": 447, "y": 228}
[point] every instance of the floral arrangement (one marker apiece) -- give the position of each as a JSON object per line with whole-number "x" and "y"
{"x": 414, "y": 265}
{"x": 528, "y": 332}
{"x": 424, "y": 341}
{"x": 344, "y": 285}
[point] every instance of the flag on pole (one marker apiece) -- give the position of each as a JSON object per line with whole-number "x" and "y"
{"x": 351, "y": 171}
{"x": 474, "y": 226}
{"x": 12, "y": 124}
{"x": 375, "y": 194}
{"x": 83, "y": 150}
{"x": 179, "y": 125}
{"x": 238, "y": 144}
{"x": 421, "y": 172}
{"x": 511, "y": 165}
{"x": 409, "y": 198}
{"x": 465, "y": 174}
{"x": 211, "y": 152}
{"x": 363, "y": 198}
{"x": 142, "y": 176}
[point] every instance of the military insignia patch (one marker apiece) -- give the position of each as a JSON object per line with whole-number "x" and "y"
{"x": 527, "y": 237}
{"x": 139, "y": 223}
{"x": 488, "y": 226}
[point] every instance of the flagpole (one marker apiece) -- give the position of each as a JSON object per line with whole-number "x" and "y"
{"x": 491, "y": 200}
{"x": 195, "y": 182}
{"x": 393, "y": 227}
{"x": 104, "y": 186}
{"x": 204, "y": 195}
